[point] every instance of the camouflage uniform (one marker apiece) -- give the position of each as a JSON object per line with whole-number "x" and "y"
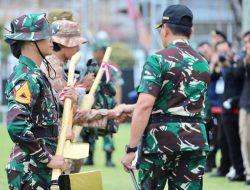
{"x": 69, "y": 36}
{"x": 32, "y": 119}
{"x": 174, "y": 151}
{"x": 117, "y": 81}
{"x": 104, "y": 99}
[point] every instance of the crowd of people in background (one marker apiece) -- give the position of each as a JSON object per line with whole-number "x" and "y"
{"x": 229, "y": 104}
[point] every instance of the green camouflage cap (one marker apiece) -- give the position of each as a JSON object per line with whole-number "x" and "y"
{"x": 59, "y": 14}
{"x": 30, "y": 27}
{"x": 100, "y": 45}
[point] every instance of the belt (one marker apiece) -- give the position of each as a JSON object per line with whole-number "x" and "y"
{"x": 48, "y": 131}
{"x": 165, "y": 118}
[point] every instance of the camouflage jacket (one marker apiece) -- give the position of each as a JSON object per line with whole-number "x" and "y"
{"x": 31, "y": 108}
{"x": 105, "y": 93}
{"x": 93, "y": 118}
{"x": 178, "y": 77}
{"x": 58, "y": 83}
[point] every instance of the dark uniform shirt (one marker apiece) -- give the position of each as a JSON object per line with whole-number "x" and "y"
{"x": 178, "y": 77}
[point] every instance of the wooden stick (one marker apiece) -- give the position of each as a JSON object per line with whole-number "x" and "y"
{"x": 65, "y": 118}
{"x": 89, "y": 98}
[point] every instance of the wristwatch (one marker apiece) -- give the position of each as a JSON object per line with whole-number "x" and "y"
{"x": 129, "y": 149}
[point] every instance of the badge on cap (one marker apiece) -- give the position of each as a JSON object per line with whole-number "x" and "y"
{"x": 23, "y": 94}
{"x": 165, "y": 17}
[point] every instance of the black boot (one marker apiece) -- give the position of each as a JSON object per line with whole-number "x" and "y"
{"x": 109, "y": 162}
{"x": 89, "y": 161}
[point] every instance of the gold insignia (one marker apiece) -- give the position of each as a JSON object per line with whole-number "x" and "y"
{"x": 165, "y": 18}
{"x": 23, "y": 94}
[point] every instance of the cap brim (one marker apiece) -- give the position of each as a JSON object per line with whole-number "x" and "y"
{"x": 33, "y": 36}
{"x": 69, "y": 41}
{"x": 158, "y": 26}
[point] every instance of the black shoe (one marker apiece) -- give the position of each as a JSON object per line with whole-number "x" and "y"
{"x": 237, "y": 177}
{"x": 88, "y": 162}
{"x": 110, "y": 164}
{"x": 247, "y": 182}
{"x": 208, "y": 169}
{"x": 218, "y": 173}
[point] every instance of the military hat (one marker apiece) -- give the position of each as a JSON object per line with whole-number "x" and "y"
{"x": 69, "y": 34}
{"x": 177, "y": 14}
{"x": 100, "y": 45}
{"x": 60, "y": 14}
{"x": 30, "y": 27}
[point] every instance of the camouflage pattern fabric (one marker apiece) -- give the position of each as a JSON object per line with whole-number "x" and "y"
{"x": 104, "y": 98}
{"x": 182, "y": 170}
{"x": 31, "y": 27}
{"x": 69, "y": 34}
{"x": 58, "y": 83}
{"x": 31, "y": 107}
{"x": 117, "y": 77}
{"x": 93, "y": 118}
{"x": 178, "y": 77}
{"x": 108, "y": 143}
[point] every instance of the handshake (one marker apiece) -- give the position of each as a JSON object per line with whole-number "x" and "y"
{"x": 121, "y": 113}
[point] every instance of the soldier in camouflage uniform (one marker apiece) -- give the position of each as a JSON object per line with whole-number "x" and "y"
{"x": 99, "y": 48}
{"x": 32, "y": 118}
{"x": 104, "y": 99}
{"x": 66, "y": 43}
{"x": 169, "y": 110}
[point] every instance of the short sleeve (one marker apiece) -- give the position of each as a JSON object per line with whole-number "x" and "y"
{"x": 151, "y": 79}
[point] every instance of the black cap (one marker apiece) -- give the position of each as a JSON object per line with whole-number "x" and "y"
{"x": 219, "y": 33}
{"x": 177, "y": 14}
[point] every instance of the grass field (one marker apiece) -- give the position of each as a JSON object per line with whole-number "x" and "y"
{"x": 113, "y": 178}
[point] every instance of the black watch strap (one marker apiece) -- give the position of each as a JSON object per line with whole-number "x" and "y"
{"x": 129, "y": 149}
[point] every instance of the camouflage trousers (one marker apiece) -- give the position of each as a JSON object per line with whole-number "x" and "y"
{"x": 108, "y": 143}
{"x": 28, "y": 180}
{"x": 182, "y": 170}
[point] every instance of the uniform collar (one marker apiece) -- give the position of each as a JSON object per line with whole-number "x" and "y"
{"x": 29, "y": 63}
{"x": 179, "y": 42}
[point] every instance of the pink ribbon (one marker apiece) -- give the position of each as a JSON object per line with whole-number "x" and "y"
{"x": 107, "y": 66}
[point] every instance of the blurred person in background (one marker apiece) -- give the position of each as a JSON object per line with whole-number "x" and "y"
{"x": 217, "y": 36}
{"x": 206, "y": 50}
{"x": 105, "y": 98}
{"x": 230, "y": 140}
{"x": 243, "y": 70}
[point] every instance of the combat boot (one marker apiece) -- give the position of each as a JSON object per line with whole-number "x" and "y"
{"x": 89, "y": 161}
{"x": 109, "y": 162}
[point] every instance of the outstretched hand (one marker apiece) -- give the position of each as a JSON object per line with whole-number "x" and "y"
{"x": 121, "y": 113}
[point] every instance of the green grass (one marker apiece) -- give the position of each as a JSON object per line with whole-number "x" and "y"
{"x": 113, "y": 178}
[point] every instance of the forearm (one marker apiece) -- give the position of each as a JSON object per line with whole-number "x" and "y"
{"x": 90, "y": 116}
{"x": 140, "y": 119}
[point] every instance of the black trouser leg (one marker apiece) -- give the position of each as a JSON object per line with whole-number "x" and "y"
{"x": 230, "y": 124}
{"x": 225, "y": 161}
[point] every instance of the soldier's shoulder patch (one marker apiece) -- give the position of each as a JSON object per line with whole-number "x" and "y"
{"x": 23, "y": 94}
